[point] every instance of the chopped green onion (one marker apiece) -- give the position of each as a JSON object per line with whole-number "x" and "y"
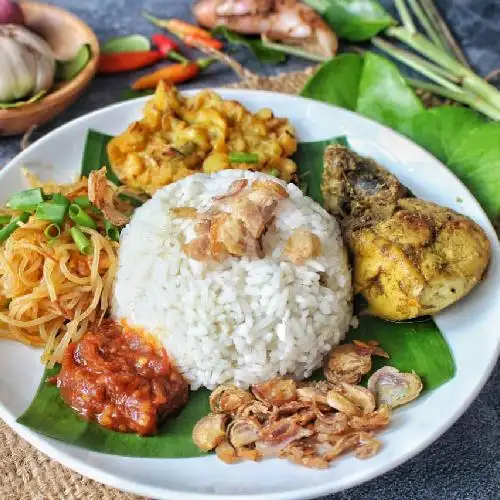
{"x": 26, "y": 200}
{"x": 82, "y": 201}
{"x": 274, "y": 172}
{"x": 4, "y": 219}
{"x": 60, "y": 199}
{"x": 81, "y": 241}
{"x": 12, "y": 226}
{"x": 112, "y": 232}
{"x": 52, "y": 232}
{"x": 243, "y": 157}
{"x": 80, "y": 218}
{"x": 53, "y": 212}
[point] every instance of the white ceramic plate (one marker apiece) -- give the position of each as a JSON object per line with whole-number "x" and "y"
{"x": 469, "y": 327}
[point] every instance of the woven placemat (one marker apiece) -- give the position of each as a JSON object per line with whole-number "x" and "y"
{"x": 26, "y": 473}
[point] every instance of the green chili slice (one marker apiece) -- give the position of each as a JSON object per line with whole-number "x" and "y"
{"x": 81, "y": 241}
{"x": 6, "y": 231}
{"x": 26, "y": 200}
{"x": 81, "y": 218}
{"x": 235, "y": 157}
{"x": 112, "y": 232}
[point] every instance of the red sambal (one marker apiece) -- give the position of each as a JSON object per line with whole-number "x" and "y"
{"x": 121, "y": 379}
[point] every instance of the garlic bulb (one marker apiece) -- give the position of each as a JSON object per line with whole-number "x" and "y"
{"x": 26, "y": 61}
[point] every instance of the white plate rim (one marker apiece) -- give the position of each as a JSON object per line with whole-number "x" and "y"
{"x": 49, "y": 446}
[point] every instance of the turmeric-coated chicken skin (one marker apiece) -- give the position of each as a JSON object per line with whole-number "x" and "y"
{"x": 411, "y": 257}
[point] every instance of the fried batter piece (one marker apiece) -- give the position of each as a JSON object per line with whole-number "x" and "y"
{"x": 411, "y": 257}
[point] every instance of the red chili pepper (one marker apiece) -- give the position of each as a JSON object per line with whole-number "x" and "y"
{"x": 188, "y": 33}
{"x": 194, "y": 41}
{"x": 118, "y": 62}
{"x": 176, "y": 73}
{"x": 168, "y": 47}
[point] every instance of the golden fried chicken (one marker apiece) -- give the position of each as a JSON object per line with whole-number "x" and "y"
{"x": 411, "y": 257}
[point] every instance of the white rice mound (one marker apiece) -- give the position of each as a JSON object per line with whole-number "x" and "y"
{"x": 241, "y": 320}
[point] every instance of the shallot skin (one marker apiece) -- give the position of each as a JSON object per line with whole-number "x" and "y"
{"x": 10, "y": 13}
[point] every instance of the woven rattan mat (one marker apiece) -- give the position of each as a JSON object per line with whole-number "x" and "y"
{"x": 27, "y": 474}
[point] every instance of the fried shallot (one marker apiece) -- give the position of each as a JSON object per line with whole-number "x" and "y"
{"x": 309, "y": 423}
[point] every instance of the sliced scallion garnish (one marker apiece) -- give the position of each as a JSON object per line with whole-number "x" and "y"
{"x": 236, "y": 157}
{"x": 52, "y": 232}
{"x": 4, "y": 219}
{"x": 81, "y": 241}
{"x": 53, "y": 212}
{"x": 6, "y": 231}
{"x": 82, "y": 201}
{"x": 81, "y": 218}
{"x": 112, "y": 232}
{"x": 26, "y": 200}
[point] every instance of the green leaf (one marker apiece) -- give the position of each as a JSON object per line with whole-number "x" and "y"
{"x": 95, "y": 155}
{"x": 323, "y": 86}
{"x": 354, "y": 20}
{"x": 309, "y": 158}
{"x": 468, "y": 145}
{"x": 49, "y": 415}
{"x": 127, "y": 94}
{"x": 67, "y": 70}
{"x": 127, "y": 43}
{"x": 369, "y": 84}
{"x": 459, "y": 137}
{"x": 259, "y": 50}
{"x": 417, "y": 345}
{"x": 383, "y": 93}
{"x": 18, "y": 104}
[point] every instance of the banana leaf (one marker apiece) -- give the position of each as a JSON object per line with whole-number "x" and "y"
{"x": 417, "y": 346}
{"x": 95, "y": 155}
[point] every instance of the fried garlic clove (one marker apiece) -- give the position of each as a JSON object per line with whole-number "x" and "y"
{"x": 394, "y": 388}
{"x": 226, "y": 452}
{"x": 243, "y": 431}
{"x": 302, "y": 245}
{"x": 360, "y": 396}
{"x": 210, "y": 431}
{"x": 340, "y": 403}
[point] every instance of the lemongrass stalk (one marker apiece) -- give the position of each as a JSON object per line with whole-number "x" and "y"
{"x": 426, "y": 24}
{"x": 426, "y": 68}
{"x": 405, "y": 15}
{"x": 292, "y": 50}
{"x": 470, "y": 81}
{"x": 460, "y": 96}
{"x": 443, "y": 31}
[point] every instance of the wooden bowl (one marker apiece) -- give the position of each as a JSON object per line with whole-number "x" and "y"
{"x": 65, "y": 33}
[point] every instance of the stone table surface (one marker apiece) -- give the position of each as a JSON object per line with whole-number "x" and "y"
{"x": 464, "y": 464}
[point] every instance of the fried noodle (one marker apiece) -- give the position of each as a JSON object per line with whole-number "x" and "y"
{"x": 50, "y": 293}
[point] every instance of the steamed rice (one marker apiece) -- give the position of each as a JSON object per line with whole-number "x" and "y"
{"x": 241, "y": 320}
